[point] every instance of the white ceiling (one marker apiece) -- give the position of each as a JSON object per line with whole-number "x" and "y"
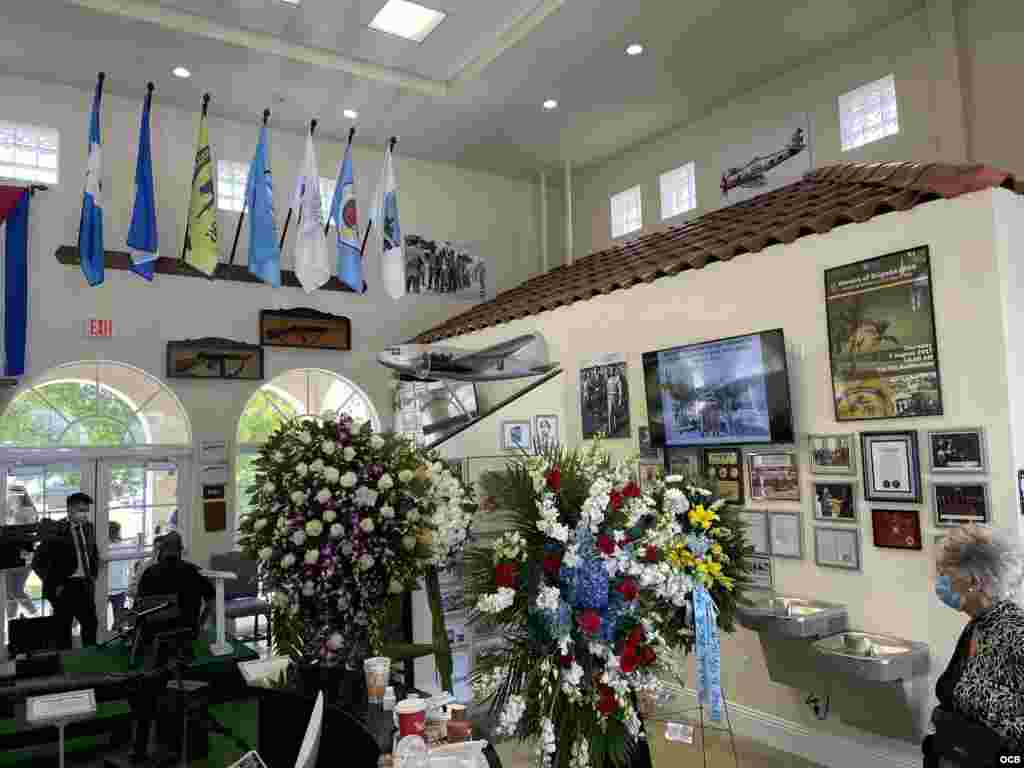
{"x": 699, "y": 53}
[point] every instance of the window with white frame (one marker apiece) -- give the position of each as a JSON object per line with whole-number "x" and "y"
{"x": 868, "y": 113}
{"x": 29, "y": 153}
{"x": 231, "y": 179}
{"x": 678, "y": 191}
{"x": 627, "y": 211}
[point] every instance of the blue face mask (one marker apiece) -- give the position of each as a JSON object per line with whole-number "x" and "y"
{"x": 945, "y": 592}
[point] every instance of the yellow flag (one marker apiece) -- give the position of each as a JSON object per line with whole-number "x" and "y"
{"x": 201, "y": 235}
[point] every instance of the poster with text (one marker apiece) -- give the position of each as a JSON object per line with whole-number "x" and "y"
{"x": 779, "y": 153}
{"x": 447, "y": 268}
{"x": 881, "y": 329}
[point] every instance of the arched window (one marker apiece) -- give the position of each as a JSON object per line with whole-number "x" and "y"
{"x": 302, "y": 393}
{"x": 95, "y": 404}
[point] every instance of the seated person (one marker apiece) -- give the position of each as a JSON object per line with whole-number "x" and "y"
{"x": 172, "y": 575}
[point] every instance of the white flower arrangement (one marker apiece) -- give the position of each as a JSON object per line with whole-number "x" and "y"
{"x": 513, "y": 712}
{"x": 497, "y": 602}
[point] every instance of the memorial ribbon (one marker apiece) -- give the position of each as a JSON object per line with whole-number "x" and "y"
{"x": 709, "y": 652}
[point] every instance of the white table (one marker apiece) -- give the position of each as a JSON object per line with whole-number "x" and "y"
{"x": 221, "y": 647}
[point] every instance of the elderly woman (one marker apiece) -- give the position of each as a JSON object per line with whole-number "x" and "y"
{"x": 980, "y": 573}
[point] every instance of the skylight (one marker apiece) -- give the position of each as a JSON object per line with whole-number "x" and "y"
{"x": 408, "y": 20}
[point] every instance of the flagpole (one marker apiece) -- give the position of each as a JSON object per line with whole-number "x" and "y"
{"x": 327, "y": 224}
{"x": 188, "y": 214}
{"x": 241, "y": 216}
{"x": 288, "y": 218}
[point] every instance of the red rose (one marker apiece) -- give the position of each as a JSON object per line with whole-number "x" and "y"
{"x": 636, "y": 636}
{"x": 590, "y": 622}
{"x": 647, "y": 656}
{"x": 606, "y": 705}
{"x": 554, "y": 478}
{"x": 506, "y": 575}
{"x": 631, "y": 491}
{"x": 566, "y": 661}
{"x": 629, "y": 660}
{"x": 606, "y": 544}
{"x": 616, "y": 500}
{"x": 651, "y": 553}
{"x": 552, "y": 565}
{"x": 628, "y": 589}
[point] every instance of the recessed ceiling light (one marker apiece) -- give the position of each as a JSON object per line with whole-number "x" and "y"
{"x": 290, "y": 2}
{"x": 550, "y": 104}
{"x": 409, "y": 20}
{"x": 634, "y": 50}
{"x": 181, "y": 72}
{"x": 351, "y": 114}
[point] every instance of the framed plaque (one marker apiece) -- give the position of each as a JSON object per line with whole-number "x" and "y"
{"x": 724, "y": 466}
{"x": 760, "y": 572}
{"x": 832, "y": 454}
{"x": 757, "y": 530}
{"x": 835, "y": 502}
{"x": 896, "y": 528}
{"x": 957, "y": 450}
{"x": 892, "y": 466}
{"x": 774, "y": 475}
{"x": 305, "y": 328}
{"x": 837, "y": 547}
{"x": 214, "y": 358}
{"x": 785, "y": 535}
{"x": 958, "y": 503}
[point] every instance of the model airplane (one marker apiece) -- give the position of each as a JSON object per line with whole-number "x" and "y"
{"x": 514, "y": 359}
{"x": 753, "y": 173}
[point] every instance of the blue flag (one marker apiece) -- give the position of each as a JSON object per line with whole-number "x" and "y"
{"x": 264, "y": 254}
{"x": 344, "y": 212}
{"x": 90, "y": 227}
{"x": 142, "y": 235}
{"x": 14, "y": 271}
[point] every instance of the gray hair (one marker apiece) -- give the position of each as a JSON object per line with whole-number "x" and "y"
{"x": 993, "y": 558}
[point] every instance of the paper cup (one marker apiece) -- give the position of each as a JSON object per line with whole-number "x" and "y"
{"x": 378, "y": 670}
{"x": 412, "y": 717}
{"x": 458, "y": 711}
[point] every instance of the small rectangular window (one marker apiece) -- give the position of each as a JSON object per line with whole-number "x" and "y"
{"x": 627, "y": 211}
{"x": 868, "y": 113}
{"x": 231, "y": 179}
{"x": 678, "y": 191}
{"x": 29, "y": 153}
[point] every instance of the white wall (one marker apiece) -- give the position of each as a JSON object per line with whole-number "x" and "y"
{"x": 783, "y": 287}
{"x": 434, "y": 199}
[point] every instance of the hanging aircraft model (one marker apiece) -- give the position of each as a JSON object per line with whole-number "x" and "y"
{"x": 513, "y": 359}
{"x": 753, "y": 173}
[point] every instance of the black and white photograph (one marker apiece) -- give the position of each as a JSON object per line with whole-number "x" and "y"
{"x": 515, "y": 436}
{"x": 648, "y": 451}
{"x": 957, "y": 450}
{"x": 958, "y": 503}
{"x": 832, "y": 454}
{"x": 648, "y": 475}
{"x": 837, "y": 547}
{"x": 545, "y": 430}
{"x": 835, "y": 501}
{"x": 760, "y": 572}
{"x": 892, "y": 466}
{"x": 604, "y": 401}
{"x": 445, "y": 268}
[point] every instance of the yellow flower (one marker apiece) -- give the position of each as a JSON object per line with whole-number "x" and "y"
{"x": 715, "y": 569}
{"x": 680, "y": 557}
{"x": 726, "y": 582}
{"x": 702, "y": 517}
{"x": 716, "y": 550}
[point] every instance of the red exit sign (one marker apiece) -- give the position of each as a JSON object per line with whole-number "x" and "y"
{"x": 96, "y": 328}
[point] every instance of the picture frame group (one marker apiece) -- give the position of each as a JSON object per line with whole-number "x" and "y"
{"x": 896, "y": 528}
{"x": 891, "y": 466}
{"x": 837, "y": 547}
{"x": 774, "y": 475}
{"x": 774, "y": 533}
{"x": 835, "y": 501}
{"x": 957, "y": 451}
{"x": 834, "y": 454}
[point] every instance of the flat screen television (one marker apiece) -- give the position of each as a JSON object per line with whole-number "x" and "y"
{"x": 733, "y": 390}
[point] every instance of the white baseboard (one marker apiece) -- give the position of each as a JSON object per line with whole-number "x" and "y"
{"x": 822, "y": 748}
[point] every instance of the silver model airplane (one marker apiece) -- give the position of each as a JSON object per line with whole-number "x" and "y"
{"x": 514, "y": 359}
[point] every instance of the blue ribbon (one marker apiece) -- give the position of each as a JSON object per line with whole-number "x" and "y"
{"x": 709, "y": 652}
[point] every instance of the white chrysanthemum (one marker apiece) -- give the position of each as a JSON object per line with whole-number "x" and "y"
{"x": 312, "y": 556}
{"x": 299, "y": 538}
{"x": 547, "y": 741}
{"x": 314, "y": 528}
{"x": 366, "y": 524}
{"x": 260, "y": 524}
{"x": 571, "y": 679}
{"x": 308, "y": 589}
{"x": 396, "y": 587}
{"x": 548, "y": 598}
{"x": 497, "y": 602}
{"x": 409, "y": 542}
{"x": 269, "y": 487}
{"x": 323, "y": 496}
{"x": 387, "y": 512}
{"x": 674, "y": 479}
{"x": 266, "y": 553}
{"x": 348, "y": 480}
{"x": 330, "y": 515}
{"x": 513, "y": 712}
{"x": 298, "y": 497}
{"x": 305, "y": 438}
{"x": 366, "y": 562}
{"x": 385, "y": 483}
{"x": 349, "y": 453}
{"x": 328, "y": 447}
{"x": 405, "y": 476}
{"x": 376, "y": 442}
{"x": 301, "y": 469}
{"x": 365, "y": 497}
{"x": 317, "y": 466}
{"x": 277, "y": 456}
{"x": 337, "y": 531}
{"x": 288, "y": 560}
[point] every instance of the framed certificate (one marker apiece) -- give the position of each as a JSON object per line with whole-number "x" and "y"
{"x": 896, "y": 528}
{"x": 774, "y": 475}
{"x": 957, "y": 450}
{"x": 784, "y": 535}
{"x": 760, "y": 572}
{"x": 958, "y": 503}
{"x": 835, "y": 501}
{"x": 837, "y": 548}
{"x": 892, "y": 466}
{"x": 724, "y": 467}
{"x": 832, "y": 454}
{"x": 757, "y": 530}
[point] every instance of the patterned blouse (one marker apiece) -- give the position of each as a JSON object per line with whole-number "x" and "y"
{"x": 990, "y": 688}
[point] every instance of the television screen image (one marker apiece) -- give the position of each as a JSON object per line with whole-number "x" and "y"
{"x": 733, "y": 390}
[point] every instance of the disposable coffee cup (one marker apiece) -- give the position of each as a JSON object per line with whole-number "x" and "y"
{"x": 457, "y": 711}
{"x": 378, "y": 670}
{"x": 412, "y": 717}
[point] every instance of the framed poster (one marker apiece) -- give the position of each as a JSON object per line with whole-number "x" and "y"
{"x": 881, "y": 334}
{"x": 837, "y": 547}
{"x": 892, "y": 466}
{"x": 305, "y": 329}
{"x": 648, "y": 452}
{"x": 835, "y": 501}
{"x": 685, "y": 462}
{"x": 958, "y": 503}
{"x": 896, "y": 528}
{"x": 832, "y": 454}
{"x": 785, "y": 537}
{"x": 760, "y": 572}
{"x": 604, "y": 398}
{"x": 214, "y": 358}
{"x": 515, "y": 436}
{"x": 725, "y": 467}
{"x": 774, "y": 475}
{"x": 757, "y": 530}
{"x": 545, "y": 428}
{"x": 957, "y": 450}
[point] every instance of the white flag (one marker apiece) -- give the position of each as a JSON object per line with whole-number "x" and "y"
{"x": 312, "y": 261}
{"x": 392, "y": 262}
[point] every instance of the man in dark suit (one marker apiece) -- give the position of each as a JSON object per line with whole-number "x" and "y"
{"x": 67, "y": 563}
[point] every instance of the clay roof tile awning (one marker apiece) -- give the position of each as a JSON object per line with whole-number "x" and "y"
{"x": 824, "y": 199}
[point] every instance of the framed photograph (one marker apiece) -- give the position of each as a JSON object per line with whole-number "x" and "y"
{"x": 774, "y": 475}
{"x": 648, "y": 474}
{"x": 835, "y": 502}
{"x": 760, "y": 572}
{"x": 896, "y": 528}
{"x": 685, "y": 462}
{"x": 832, "y": 454}
{"x": 757, "y": 530}
{"x": 648, "y": 452}
{"x": 837, "y": 547}
{"x": 515, "y": 436}
{"x": 957, "y": 450}
{"x": 214, "y": 358}
{"x": 892, "y": 466}
{"x": 881, "y": 332}
{"x": 724, "y": 466}
{"x": 604, "y": 398}
{"x": 545, "y": 430}
{"x": 785, "y": 534}
{"x": 304, "y": 329}
{"x": 958, "y": 503}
